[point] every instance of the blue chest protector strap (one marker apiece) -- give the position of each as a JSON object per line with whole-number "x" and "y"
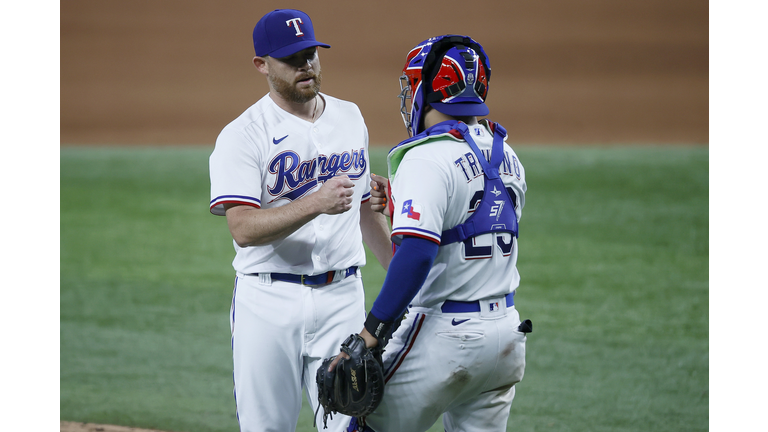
{"x": 496, "y": 211}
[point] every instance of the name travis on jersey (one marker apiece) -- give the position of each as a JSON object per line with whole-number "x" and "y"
{"x": 293, "y": 177}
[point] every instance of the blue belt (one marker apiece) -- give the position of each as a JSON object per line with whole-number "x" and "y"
{"x": 450, "y": 306}
{"x": 321, "y": 279}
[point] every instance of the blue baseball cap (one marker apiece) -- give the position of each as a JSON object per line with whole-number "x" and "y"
{"x": 284, "y": 32}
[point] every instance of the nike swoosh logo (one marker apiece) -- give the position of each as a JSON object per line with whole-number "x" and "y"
{"x": 454, "y": 322}
{"x": 277, "y": 141}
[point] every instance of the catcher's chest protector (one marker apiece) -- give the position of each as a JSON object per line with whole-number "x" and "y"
{"x": 495, "y": 212}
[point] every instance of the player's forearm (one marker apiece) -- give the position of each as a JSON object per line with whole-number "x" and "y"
{"x": 407, "y": 273}
{"x": 410, "y": 268}
{"x": 375, "y": 229}
{"x": 252, "y": 226}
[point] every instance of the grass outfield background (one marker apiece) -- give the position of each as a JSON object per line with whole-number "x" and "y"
{"x": 614, "y": 263}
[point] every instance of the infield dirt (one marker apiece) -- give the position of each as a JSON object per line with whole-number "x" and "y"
{"x": 564, "y": 72}
{"x": 93, "y": 427}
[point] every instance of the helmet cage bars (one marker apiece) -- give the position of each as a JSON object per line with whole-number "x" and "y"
{"x": 464, "y": 72}
{"x": 406, "y": 102}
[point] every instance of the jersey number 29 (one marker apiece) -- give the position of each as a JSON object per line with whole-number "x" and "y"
{"x": 503, "y": 241}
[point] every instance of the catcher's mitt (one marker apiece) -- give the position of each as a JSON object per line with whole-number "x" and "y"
{"x": 356, "y": 386}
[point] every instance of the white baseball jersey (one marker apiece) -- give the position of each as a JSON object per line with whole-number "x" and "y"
{"x": 282, "y": 331}
{"x": 461, "y": 363}
{"x": 436, "y": 187}
{"x": 267, "y": 158}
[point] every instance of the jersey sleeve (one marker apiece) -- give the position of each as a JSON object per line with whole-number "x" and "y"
{"x": 236, "y": 172}
{"x": 420, "y": 198}
{"x": 366, "y": 176}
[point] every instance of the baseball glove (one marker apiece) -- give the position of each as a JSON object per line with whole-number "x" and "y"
{"x": 356, "y": 386}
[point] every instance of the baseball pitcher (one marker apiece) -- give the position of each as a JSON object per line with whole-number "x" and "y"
{"x": 292, "y": 176}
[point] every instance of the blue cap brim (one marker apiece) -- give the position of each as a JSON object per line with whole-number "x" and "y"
{"x": 461, "y": 109}
{"x": 291, "y": 49}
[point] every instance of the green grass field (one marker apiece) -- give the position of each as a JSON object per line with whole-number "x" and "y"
{"x": 614, "y": 250}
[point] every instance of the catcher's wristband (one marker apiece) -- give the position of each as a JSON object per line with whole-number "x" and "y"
{"x": 379, "y": 329}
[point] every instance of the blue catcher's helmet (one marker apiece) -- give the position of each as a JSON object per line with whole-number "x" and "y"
{"x": 450, "y": 73}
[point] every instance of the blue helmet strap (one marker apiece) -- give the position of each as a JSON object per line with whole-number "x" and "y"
{"x": 496, "y": 211}
{"x": 451, "y": 90}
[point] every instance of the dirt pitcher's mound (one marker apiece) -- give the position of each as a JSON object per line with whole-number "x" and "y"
{"x": 93, "y": 427}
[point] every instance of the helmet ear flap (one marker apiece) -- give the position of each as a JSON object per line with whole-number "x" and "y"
{"x": 481, "y": 83}
{"x": 430, "y": 65}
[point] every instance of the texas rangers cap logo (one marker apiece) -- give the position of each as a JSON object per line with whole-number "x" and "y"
{"x": 296, "y": 22}
{"x": 284, "y": 32}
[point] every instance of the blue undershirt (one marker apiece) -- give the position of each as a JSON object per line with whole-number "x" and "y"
{"x": 406, "y": 274}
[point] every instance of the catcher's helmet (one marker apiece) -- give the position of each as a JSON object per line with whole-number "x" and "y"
{"x": 450, "y": 73}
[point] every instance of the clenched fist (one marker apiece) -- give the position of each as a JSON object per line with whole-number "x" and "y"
{"x": 378, "y": 193}
{"x": 335, "y": 195}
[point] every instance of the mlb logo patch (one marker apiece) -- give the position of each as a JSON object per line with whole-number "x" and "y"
{"x": 494, "y": 306}
{"x": 411, "y": 210}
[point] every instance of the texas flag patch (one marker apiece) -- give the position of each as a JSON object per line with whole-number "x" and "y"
{"x": 411, "y": 210}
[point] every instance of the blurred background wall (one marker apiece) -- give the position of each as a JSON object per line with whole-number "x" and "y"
{"x": 564, "y": 71}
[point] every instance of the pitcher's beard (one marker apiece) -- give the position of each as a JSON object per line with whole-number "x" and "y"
{"x": 293, "y": 94}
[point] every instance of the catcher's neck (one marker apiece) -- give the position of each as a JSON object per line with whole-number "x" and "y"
{"x": 434, "y": 117}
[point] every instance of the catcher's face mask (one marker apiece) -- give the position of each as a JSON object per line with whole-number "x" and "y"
{"x": 451, "y": 73}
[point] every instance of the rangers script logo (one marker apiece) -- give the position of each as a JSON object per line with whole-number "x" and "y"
{"x": 293, "y": 178}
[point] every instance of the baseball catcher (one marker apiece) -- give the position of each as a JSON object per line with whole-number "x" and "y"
{"x": 354, "y": 386}
{"x": 455, "y": 198}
